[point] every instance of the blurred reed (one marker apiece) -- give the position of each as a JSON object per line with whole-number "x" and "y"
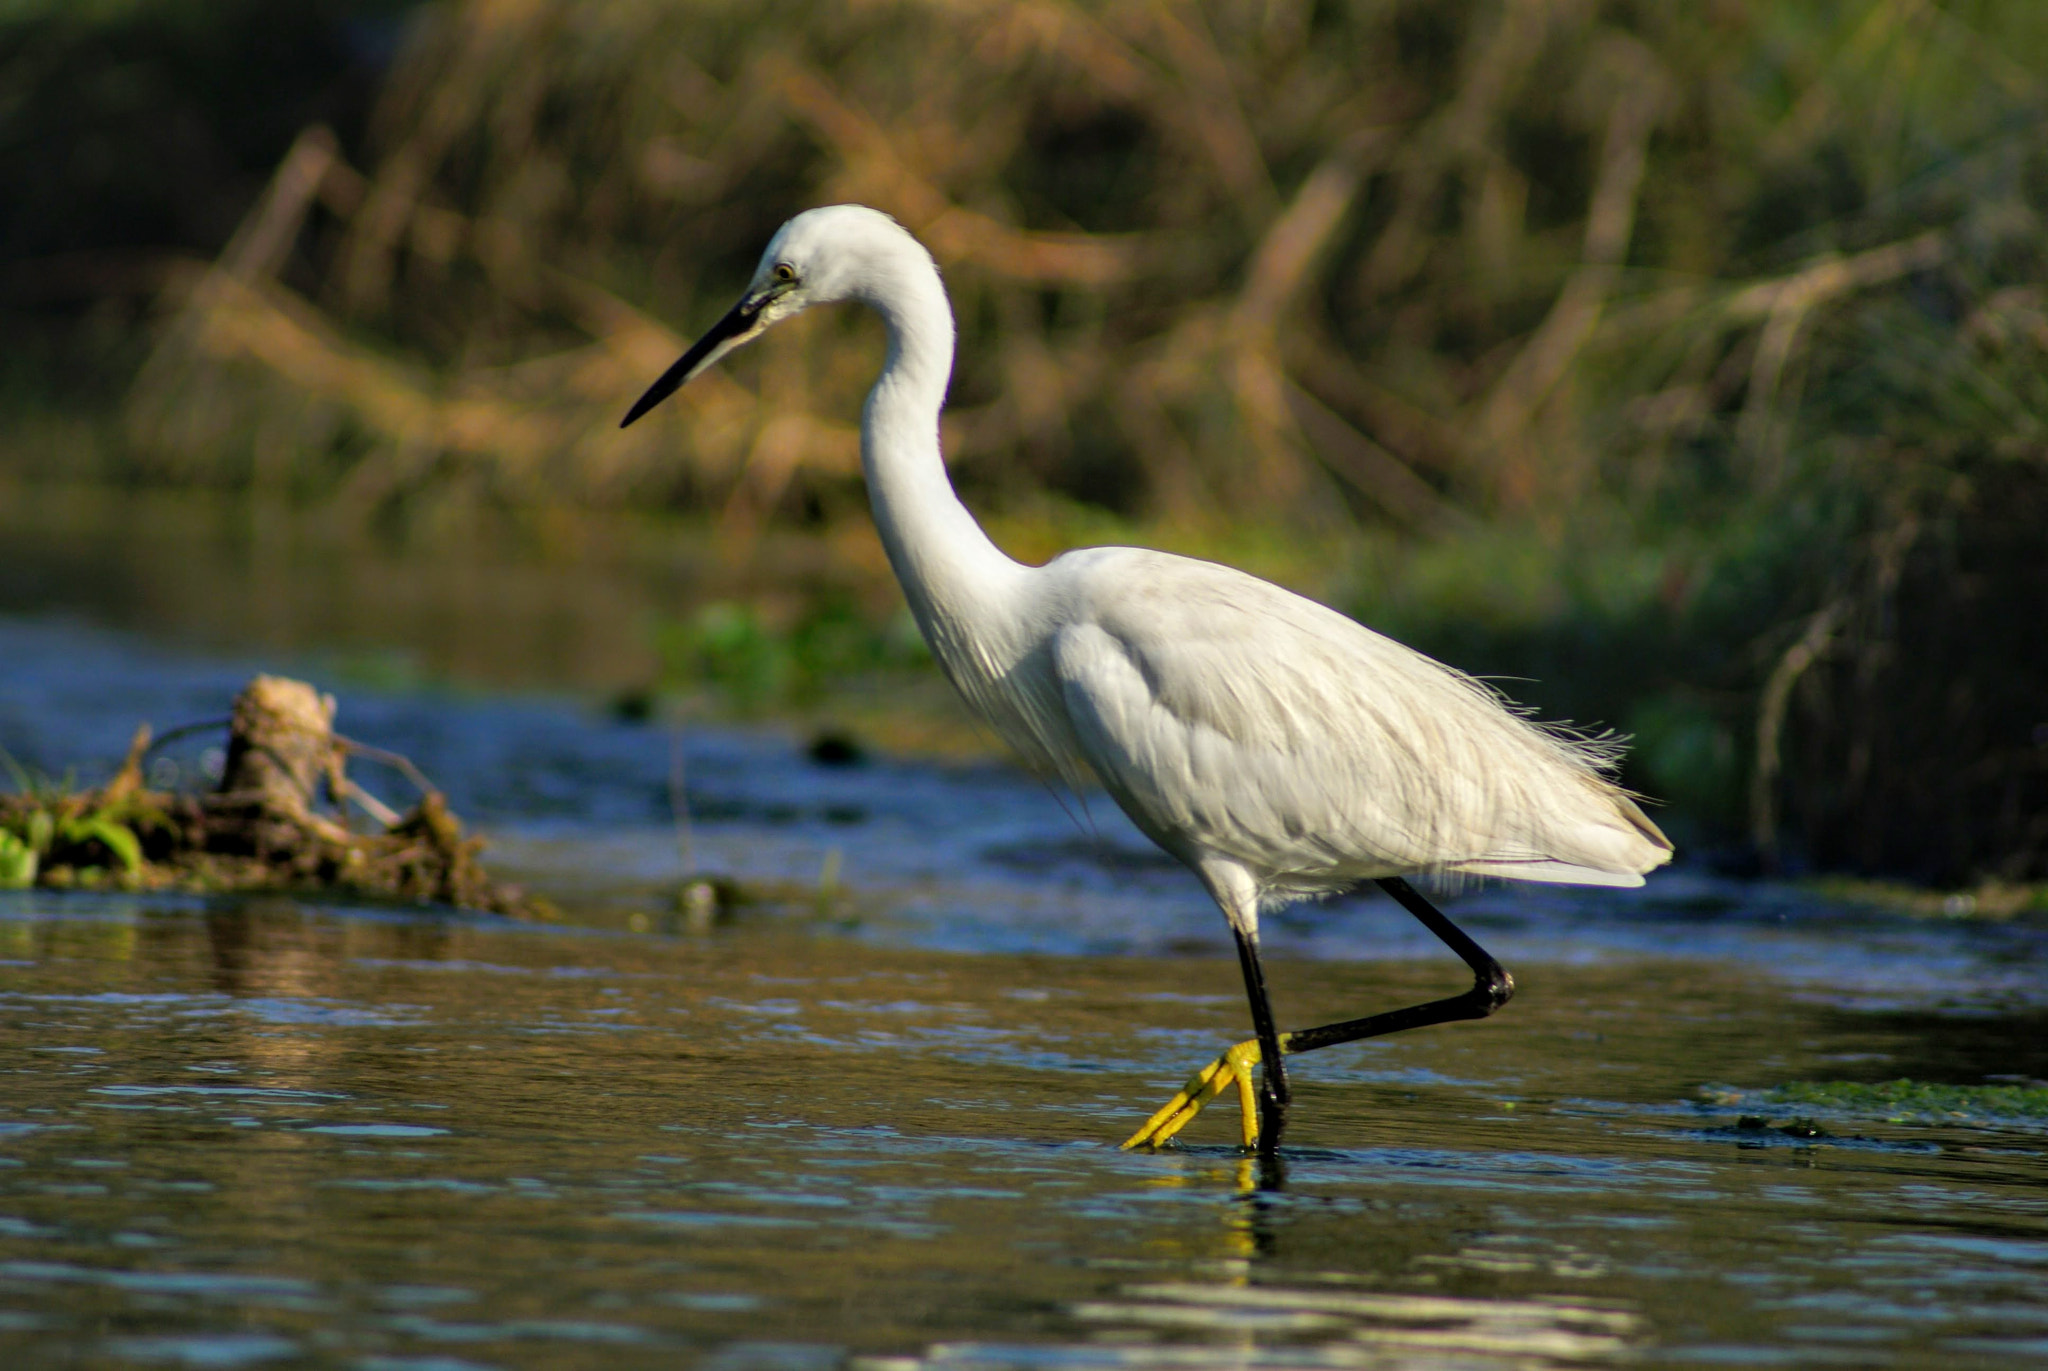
{"x": 1747, "y": 295}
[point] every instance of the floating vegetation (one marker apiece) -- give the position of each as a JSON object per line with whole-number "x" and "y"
{"x": 1799, "y": 1130}
{"x": 284, "y": 815}
{"x": 1909, "y": 1101}
{"x": 1899, "y": 1101}
{"x": 1993, "y": 900}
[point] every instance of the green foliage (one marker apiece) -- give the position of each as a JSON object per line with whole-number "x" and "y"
{"x": 752, "y": 664}
{"x": 38, "y": 828}
{"x": 103, "y": 828}
{"x": 1685, "y": 752}
{"x": 46, "y": 826}
{"x": 18, "y": 860}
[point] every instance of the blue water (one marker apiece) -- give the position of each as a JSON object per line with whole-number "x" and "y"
{"x": 870, "y": 1119}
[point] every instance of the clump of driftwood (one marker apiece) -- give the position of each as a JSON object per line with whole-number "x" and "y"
{"x": 285, "y": 815}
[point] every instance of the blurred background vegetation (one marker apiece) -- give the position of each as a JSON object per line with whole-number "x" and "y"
{"x": 1689, "y": 361}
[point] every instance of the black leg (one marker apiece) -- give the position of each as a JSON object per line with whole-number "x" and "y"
{"x": 1491, "y": 984}
{"x": 1491, "y": 988}
{"x": 1273, "y": 1093}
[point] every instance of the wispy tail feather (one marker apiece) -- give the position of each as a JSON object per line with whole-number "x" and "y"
{"x": 1548, "y": 871}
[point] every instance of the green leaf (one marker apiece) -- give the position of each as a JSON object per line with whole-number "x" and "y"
{"x": 17, "y": 862}
{"x": 118, "y": 838}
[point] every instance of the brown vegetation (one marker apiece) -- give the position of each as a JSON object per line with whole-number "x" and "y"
{"x": 1209, "y": 261}
{"x": 1722, "y": 320}
{"x": 259, "y": 829}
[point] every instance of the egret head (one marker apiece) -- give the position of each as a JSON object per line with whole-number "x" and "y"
{"x": 838, "y": 252}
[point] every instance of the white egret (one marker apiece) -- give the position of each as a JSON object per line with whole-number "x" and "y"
{"x": 1278, "y": 748}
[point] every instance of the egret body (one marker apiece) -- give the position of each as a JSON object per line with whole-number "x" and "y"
{"x": 1275, "y": 746}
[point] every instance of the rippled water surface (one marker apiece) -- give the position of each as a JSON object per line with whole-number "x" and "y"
{"x": 872, "y": 1120}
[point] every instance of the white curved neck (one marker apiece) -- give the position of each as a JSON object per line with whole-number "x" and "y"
{"x": 946, "y": 564}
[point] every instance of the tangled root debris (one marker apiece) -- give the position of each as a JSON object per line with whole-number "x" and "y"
{"x": 284, "y": 816}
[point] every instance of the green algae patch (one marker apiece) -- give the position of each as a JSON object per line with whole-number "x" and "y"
{"x": 1909, "y": 1101}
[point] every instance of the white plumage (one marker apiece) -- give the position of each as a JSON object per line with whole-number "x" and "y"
{"x": 1278, "y": 748}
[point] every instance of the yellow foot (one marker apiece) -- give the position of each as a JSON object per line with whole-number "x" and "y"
{"x": 1233, "y": 1067}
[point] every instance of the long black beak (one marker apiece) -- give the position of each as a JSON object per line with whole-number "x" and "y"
{"x": 735, "y": 328}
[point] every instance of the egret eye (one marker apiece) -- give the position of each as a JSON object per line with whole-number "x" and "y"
{"x": 784, "y": 272}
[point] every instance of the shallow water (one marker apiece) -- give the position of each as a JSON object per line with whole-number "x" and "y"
{"x": 873, "y": 1119}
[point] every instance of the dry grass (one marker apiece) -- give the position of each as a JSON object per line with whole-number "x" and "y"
{"x": 1209, "y": 260}
{"x": 1690, "y": 276}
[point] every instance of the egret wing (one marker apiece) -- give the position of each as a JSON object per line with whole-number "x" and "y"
{"x": 1230, "y": 717}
